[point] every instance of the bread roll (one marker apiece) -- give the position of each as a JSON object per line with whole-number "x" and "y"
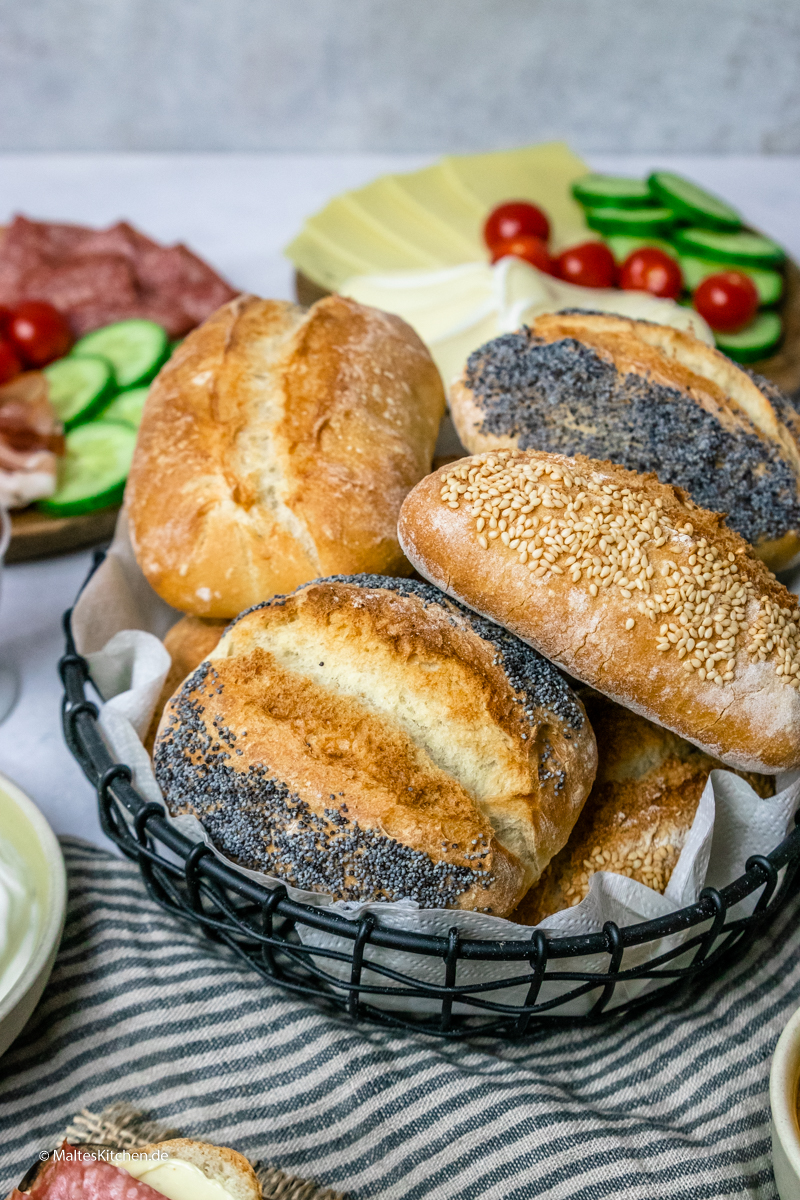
{"x": 367, "y": 738}
{"x": 222, "y": 1166}
{"x": 626, "y": 584}
{"x": 639, "y": 812}
{"x": 188, "y": 643}
{"x": 277, "y": 446}
{"x": 649, "y": 398}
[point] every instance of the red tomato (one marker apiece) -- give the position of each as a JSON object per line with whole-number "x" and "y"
{"x": 513, "y": 220}
{"x": 39, "y": 332}
{"x": 728, "y": 301}
{"x": 651, "y": 270}
{"x": 532, "y": 249}
{"x": 589, "y": 265}
{"x": 5, "y": 316}
{"x": 9, "y": 363}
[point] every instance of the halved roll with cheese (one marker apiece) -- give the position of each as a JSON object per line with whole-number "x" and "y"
{"x": 626, "y": 584}
{"x": 180, "y": 1169}
{"x": 367, "y": 738}
{"x": 649, "y": 398}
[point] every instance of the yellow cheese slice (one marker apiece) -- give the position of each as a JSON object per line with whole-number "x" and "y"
{"x": 173, "y": 1178}
{"x": 434, "y": 217}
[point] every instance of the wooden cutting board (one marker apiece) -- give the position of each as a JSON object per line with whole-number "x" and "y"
{"x": 782, "y": 368}
{"x": 36, "y": 535}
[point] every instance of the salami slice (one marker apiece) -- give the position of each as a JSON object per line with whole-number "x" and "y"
{"x": 80, "y": 1177}
{"x": 97, "y": 276}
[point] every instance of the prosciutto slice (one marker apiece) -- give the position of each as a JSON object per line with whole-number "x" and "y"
{"x": 96, "y": 276}
{"x": 30, "y": 441}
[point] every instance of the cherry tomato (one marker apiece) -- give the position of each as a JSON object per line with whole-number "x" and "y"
{"x": 5, "y": 317}
{"x": 728, "y": 301}
{"x": 532, "y": 249}
{"x": 589, "y": 265}
{"x": 39, "y": 332}
{"x": 9, "y": 362}
{"x": 513, "y": 220}
{"x": 651, "y": 270}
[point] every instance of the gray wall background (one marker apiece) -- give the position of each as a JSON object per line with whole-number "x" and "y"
{"x": 389, "y": 75}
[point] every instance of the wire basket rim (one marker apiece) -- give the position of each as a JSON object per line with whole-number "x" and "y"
{"x": 150, "y": 819}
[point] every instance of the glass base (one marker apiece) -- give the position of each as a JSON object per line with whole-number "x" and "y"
{"x": 9, "y": 689}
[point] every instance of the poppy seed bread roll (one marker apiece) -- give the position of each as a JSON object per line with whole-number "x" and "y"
{"x": 627, "y": 585}
{"x": 649, "y": 398}
{"x": 367, "y": 738}
{"x": 638, "y": 814}
{"x": 276, "y": 446}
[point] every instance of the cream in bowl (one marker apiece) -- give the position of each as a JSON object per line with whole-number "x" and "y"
{"x": 32, "y": 907}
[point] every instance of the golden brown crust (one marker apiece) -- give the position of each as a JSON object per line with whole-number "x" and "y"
{"x": 383, "y": 716}
{"x": 189, "y": 641}
{"x": 277, "y": 446}
{"x": 645, "y": 573}
{"x": 638, "y": 814}
{"x": 670, "y": 363}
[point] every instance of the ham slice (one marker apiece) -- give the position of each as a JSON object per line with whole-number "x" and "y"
{"x": 96, "y": 276}
{"x": 30, "y": 441}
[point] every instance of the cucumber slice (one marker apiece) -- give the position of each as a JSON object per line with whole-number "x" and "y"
{"x": 757, "y": 340}
{"x": 769, "y": 284}
{"x": 79, "y": 387}
{"x": 92, "y": 474}
{"x": 741, "y": 249}
{"x": 635, "y": 222}
{"x": 127, "y": 406}
{"x": 692, "y": 203}
{"x": 601, "y": 191}
{"x": 135, "y": 348}
{"x": 621, "y": 246}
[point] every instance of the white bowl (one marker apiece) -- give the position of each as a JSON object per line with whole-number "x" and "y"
{"x": 24, "y": 827}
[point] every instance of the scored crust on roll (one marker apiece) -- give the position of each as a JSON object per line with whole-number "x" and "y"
{"x": 626, "y": 584}
{"x": 638, "y": 814}
{"x": 277, "y": 445}
{"x": 649, "y": 398}
{"x": 367, "y": 738}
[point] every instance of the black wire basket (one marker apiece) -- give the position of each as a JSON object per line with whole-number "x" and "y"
{"x": 261, "y": 925}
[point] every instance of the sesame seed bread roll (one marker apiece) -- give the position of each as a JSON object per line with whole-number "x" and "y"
{"x": 649, "y": 398}
{"x": 367, "y": 738}
{"x": 277, "y": 445}
{"x": 626, "y": 584}
{"x": 638, "y": 814}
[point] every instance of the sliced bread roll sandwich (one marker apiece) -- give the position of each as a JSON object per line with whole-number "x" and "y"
{"x": 277, "y": 445}
{"x": 180, "y": 1169}
{"x": 649, "y": 398}
{"x": 638, "y": 814}
{"x": 369, "y": 739}
{"x": 628, "y": 585}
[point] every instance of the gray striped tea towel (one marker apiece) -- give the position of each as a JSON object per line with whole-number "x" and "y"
{"x": 670, "y": 1103}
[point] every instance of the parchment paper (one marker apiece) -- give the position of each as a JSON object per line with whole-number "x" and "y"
{"x": 119, "y": 622}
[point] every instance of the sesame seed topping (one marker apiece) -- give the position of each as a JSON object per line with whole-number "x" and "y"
{"x": 573, "y": 520}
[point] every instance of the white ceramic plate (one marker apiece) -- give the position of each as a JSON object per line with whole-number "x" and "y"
{"x": 32, "y": 840}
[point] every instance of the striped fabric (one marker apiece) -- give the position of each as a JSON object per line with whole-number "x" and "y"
{"x": 671, "y": 1103}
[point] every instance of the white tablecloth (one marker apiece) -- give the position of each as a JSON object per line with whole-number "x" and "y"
{"x": 237, "y": 210}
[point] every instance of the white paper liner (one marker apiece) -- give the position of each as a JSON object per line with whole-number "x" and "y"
{"x": 118, "y": 623}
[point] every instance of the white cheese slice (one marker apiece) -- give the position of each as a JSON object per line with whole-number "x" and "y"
{"x": 456, "y": 310}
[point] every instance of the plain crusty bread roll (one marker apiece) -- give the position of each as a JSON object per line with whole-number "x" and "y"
{"x": 367, "y": 738}
{"x": 277, "y": 445}
{"x": 649, "y": 398}
{"x": 638, "y": 814}
{"x": 627, "y": 585}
